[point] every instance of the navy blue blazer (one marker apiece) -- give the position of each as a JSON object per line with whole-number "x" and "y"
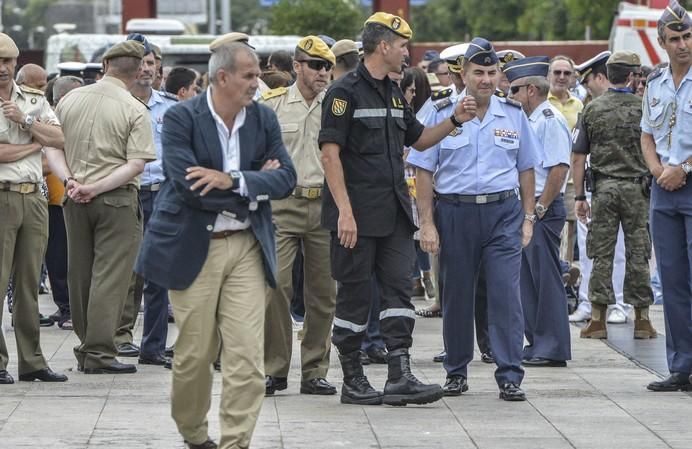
{"x": 176, "y": 240}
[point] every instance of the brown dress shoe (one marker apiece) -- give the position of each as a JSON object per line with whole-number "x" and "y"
{"x": 597, "y": 326}
{"x": 209, "y": 444}
{"x": 642, "y": 326}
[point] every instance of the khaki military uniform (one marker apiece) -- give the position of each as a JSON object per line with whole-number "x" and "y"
{"x": 23, "y": 229}
{"x": 105, "y": 126}
{"x": 297, "y": 220}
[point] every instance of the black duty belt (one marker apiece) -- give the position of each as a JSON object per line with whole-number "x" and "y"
{"x": 155, "y": 187}
{"x": 19, "y": 187}
{"x": 477, "y": 199}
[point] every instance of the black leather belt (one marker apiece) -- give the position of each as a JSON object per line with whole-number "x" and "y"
{"x": 228, "y": 233}
{"x": 477, "y": 199}
{"x": 155, "y": 187}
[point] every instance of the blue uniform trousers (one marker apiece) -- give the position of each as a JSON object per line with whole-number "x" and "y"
{"x": 543, "y": 297}
{"x": 155, "y": 320}
{"x": 671, "y": 228}
{"x": 471, "y": 235}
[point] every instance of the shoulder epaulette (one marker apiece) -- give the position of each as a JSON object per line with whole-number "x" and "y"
{"x": 145, "y": 105}
{"x": 169, "y": 95}
{"x": 441, "y": 94}
{"x": 440, "y": 105}
{"x": 655, "y": 74}
{"x": 31, "y": 90}
{"x": 274, "y": 93}
{"x": 500, "y": 93}
{"x": 511, "y": 102}
{"x": 548, "y": 113}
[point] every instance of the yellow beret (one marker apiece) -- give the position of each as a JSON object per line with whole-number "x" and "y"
{"x": 157, "y": 50}
{"x": 344, "y": 47}
{"x": 625, "y": 58}
{"x": 394, "y": 23}
{"x": 315, "y": 47}
{"x": 132, "y": 49}
{"x": 229, "y": 38}
{"x": 8, "y": 49}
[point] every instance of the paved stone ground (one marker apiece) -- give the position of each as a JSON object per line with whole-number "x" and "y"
{"x": 598, "y": 401}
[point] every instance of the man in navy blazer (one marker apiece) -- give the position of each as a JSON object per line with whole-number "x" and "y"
{"x": 210, "y": 241}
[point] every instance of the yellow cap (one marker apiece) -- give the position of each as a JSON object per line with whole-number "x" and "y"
{"x": 394, "y": 23}
{"x": 229, "y": 38}
{"x": 344, "y": 47}
{"x": 8, "y": 49}
{"x": 133, "y": 49}
{"x": 315, "y": 47}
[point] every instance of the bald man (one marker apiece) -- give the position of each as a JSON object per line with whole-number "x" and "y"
{"x": 34, "y": 76}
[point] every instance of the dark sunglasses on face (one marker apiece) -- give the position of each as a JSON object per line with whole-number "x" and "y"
{"x": 318, "y": 65}
{"x": 515, "y": 89}
{"x": 562, "y": 73}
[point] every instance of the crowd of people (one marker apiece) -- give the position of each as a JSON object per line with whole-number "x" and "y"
{"x": 330, "y": 189}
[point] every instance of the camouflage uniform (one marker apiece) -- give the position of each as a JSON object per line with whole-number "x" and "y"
{"x": 609, "y": 131}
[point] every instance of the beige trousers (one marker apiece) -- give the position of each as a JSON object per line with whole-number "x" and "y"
{"x": 298, "y": 224}
{"x": 223, "y": 306}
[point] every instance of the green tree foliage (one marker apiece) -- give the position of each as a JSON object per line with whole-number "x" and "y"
{"x": 339, "y": 19}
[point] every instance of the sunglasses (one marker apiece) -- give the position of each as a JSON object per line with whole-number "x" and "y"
{"x": 317, "y": 65}
{"x": 562, "y": 73}
{"x": 515, "y": 89}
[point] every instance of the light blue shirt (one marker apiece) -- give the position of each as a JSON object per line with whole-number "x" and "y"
{"x": 481, "y": 157}
{"x": 555, "y": 141}
{"x": 661, "y": 101}
{"x": 158, "y": 105}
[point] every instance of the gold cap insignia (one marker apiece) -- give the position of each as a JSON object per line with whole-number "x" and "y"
{"x": 308, "y": 44}
{"x": 396, "y": 23}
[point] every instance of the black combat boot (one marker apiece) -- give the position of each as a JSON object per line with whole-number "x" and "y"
{"x": 402, "y": 387}
{"x": 356, "y": 388}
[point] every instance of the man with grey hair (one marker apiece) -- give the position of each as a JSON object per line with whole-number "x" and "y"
{"x": 543, "y": 297}
{"x": 63, "y": 85}
{"x": 224, "y": 160}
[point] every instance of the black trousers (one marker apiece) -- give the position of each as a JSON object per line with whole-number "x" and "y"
{"x": 56, "y": 259}
{"x": 481, "y": 313}
{"x": 390, "y": 259}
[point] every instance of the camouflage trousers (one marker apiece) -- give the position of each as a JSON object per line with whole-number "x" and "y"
{"x": 613, "y": 203}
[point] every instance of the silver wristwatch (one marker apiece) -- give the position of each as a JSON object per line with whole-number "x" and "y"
{"x": 541, "y": 209}
{"x": 28, "y": 121}
{"x": 686, "y": 167}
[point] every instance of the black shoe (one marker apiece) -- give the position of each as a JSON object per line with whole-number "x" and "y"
{"x": 217, "y": 365}
{"x": 377, "y": 355}
{"x": 156, "y": 359}
{"x": 5, "y": 378}
{"x": 364, "y": 359}
{"x": 114, "y": 368}
{"x": 318, "y": 386}
{"x": 674, "y": 382}
{"x": 487, "y": 357}
{"x": 512, "y": 392}
{"x": 171, "y": 319}
{"x": 45, "y": 321}
{"x": 168, "y": 364}
{"x": 44, "y": 375}
{"x": 43, "y": 290}
{"x": 356, "y": 388}
{"x": 56, "y": 316}
{"x": 402, "y": 387}
{"x": 540, "y": 362}
{"x": 128, "y": 350}
{"x": 273, "y": 384}
{"x": 209, "y": 444}
{"x": 455, "y": 385}
{"x": 439, "y": 358}
{"x": 168, "y": 352}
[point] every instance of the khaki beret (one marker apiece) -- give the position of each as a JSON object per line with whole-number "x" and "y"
{"x": 315, "y": 47}
{"x": 229, "y": 38}
{"x": 8, "y": 49}
{"x": 132, "y": 49}
{"x": 624, "y": 58}
{"x": 344, "y": 47}
{"x": 157, "y": 51}
{"x": 394, "y": 23}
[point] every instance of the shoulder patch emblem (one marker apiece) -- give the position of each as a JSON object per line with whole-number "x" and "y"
{"x": 440, "y": 105}
{"x": 444, "y": 93}
{"x": 274, "y": 93}
{"x": 548, "y": 112}
{"x": 339, "y": 106}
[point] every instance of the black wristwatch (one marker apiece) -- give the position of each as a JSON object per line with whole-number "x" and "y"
{"x": 235, "y": 179}
{"x": 455, "y": 122}
{"x": 580, "y": 198}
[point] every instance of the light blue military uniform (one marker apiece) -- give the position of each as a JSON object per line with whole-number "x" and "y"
{"x": 667, "y": 115}
{"x": 542, "y": 292}
{"x": 158, "y": 104}
{"x": 481, "y": 158}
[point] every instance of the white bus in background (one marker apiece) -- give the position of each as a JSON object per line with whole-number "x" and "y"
{"x": 634, "y": 29}
{"x": 180, "y": 50}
